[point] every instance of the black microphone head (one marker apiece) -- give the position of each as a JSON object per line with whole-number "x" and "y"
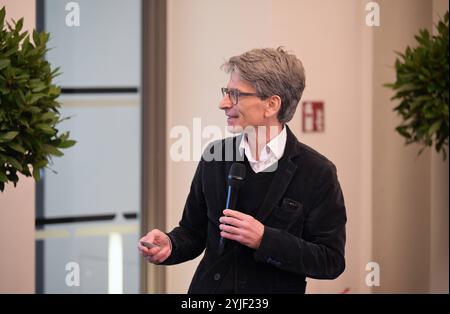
{"x": 236, "y": 176}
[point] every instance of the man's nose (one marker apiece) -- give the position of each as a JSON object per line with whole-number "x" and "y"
{"x": 225, "y": 103}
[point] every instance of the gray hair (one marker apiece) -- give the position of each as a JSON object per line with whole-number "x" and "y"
{"x": 272, "y": 72}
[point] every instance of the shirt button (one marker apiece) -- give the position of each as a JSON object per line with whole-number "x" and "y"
{"x": 216, "y": 276}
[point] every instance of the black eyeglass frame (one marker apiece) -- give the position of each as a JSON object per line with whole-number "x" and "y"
{"x": 237, "y": 94}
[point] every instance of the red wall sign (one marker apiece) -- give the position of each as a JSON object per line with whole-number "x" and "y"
{"x": 313, "y": 117}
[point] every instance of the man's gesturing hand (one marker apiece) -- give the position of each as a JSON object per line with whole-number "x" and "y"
{"x": 159, "y": 253}
{"x": 241, "y": 228}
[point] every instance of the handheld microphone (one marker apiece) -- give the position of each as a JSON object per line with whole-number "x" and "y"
{"x": 235, "y": 180}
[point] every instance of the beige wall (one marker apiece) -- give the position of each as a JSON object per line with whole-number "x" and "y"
{"x": 439, "y": 225}
{"x": 17, "y": 204}
{"x": 408, "y": 191}
{"x": 439, "y": 202}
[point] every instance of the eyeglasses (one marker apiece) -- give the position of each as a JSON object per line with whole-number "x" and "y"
{"x": 234, "y": 94}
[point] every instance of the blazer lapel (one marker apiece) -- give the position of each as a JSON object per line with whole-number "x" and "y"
{"x": 282, "y": 178}
{"x": 280, "y": 182}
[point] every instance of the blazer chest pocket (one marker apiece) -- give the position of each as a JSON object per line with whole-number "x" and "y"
{"x": 287, "y": 214}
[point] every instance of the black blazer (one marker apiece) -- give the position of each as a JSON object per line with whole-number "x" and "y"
{"x": 304, "y": 217}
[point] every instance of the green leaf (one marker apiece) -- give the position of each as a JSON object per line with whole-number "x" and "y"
{"x": 26, "y": 171}
{"x": 45, "y": 128}
{"x": 36, "y": 173}
{"x": 434, "y": 127}
{"x": 3, "y": 177}
{"x": 52, "y": 150}
{"x": 64, "y": 136}
{"x": 35, "y": 98}
{"x": 15, "y": 163}
{"x": 36, "y": 39}
{"x": 26, "y": 43}
{"x": 2, "y": 17}
{"x": 4, "y": 63}
{"x": 9, "y": 135}
{"x": 39, "y": 87}
{"x": 33, "y": 109}
{"x": 19, "y": 25}
{"x": 55, "y": 72}
{"x": 67, "y": 144}
{"x": 22, "y": 96}
{"x": 407, "y": 87}
{"x": 48, "y": 116}
{"x": 403, "y": 131}
{"x": 41, "y": 163}
{"x": 44, "y": 37}
{"x": 17, "y": 147}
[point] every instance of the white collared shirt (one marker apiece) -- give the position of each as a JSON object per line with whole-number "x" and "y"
{"x": 270, "y": 154}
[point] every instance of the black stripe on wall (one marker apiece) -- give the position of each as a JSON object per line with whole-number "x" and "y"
{"x": 99, "y": 90}
{"x": 130, "y": 215}
{"x": 62, "y": 220}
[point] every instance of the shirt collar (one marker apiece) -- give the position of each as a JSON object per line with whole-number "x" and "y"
{"x": 276, "y": 145}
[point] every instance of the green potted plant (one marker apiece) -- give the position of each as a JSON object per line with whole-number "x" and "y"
{"x": 28, "y": 104}
{"x": 422, "y": 87}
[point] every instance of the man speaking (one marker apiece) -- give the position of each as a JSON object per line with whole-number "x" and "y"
{"x": 272, "y": 214}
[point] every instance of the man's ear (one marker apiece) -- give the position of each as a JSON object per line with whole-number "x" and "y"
{"x": 273, "y": 105}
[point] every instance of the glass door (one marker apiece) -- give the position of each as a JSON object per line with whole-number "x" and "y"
{"x": 89, "y": 201}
